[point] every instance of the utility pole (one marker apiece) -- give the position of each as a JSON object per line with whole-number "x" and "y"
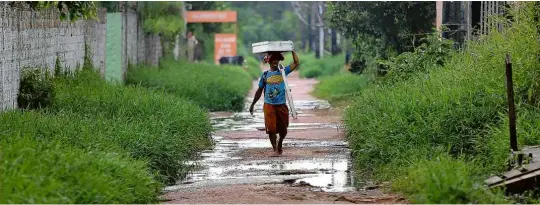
{"x": 320, "y": 12}
{"x": 334, "y": 42}
{"x": 314, "y": 15}
{"x": 310, "y": 32}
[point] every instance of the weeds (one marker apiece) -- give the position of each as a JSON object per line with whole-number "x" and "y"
{"x": 445, "y": 180}
{"x": 216, "y": 88}
{"x": 310, "y": 67}
{"x": 34, "y": 171}
{"x": 254, "y": 68}
{"x": 459, "y": 106}
{"x": 332, "y": 87}
{"x": 152, "y": 125}
{"x": 36, "y": 89}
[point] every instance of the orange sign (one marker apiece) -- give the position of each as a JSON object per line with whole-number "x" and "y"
{"x": 210, "y": 16}
{"x": 225, "y": 45}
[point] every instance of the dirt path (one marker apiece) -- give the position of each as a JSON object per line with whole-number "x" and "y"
{"x": 314, "y": 168}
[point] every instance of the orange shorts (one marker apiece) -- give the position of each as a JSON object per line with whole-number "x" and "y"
{"x": 276, "y": 118}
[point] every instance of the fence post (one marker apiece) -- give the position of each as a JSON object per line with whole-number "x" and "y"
{"x": 511, "y": 107}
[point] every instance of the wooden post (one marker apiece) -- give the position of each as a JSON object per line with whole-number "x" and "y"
{"x": 511, "y": 108}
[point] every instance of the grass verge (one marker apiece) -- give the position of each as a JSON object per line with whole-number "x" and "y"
{"x": 395, "y": 129}
{"x": 216, "y": 88}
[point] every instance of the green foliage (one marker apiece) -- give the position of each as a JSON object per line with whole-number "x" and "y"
{"x": 111, "y": 6}
{"x": 494, "y": 150}
{"x": 36, "y": 89}
{"x": 210, "y": 86}
{"x": 72, "y": 10}
{"x": 340, "y": 86}
{"x": 168, "y": 26}
{"x": 162, "y": 17}
{"x": 458, "y": 106}
{"x": 267, "y": 21}
{"x": 35, "y": 171}
{"x": 444, "y": 180}
{"x": 310, "y": 67}
{"x": 392, "y": 22}
{"x": 432, "y": 53}
{"x": 253, "y": 67}
{"x": 159, "y": 127}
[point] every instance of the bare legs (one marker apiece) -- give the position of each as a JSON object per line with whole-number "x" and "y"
{"x": 273, "y": 139}
{"x": 277, "y": 144}
{"x": 280, "y": 143}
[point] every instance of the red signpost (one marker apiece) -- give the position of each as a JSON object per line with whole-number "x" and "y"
{"x": 225, "y": 43}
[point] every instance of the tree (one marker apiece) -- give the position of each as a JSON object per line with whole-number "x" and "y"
{"x": 395, "y": 23}
{"x": 72, "y": 10}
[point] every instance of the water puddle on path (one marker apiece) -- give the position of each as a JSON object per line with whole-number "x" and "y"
{"x": 227, "y": 163}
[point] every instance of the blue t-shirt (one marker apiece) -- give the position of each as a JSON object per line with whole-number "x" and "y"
{"x": 274, "y": 93}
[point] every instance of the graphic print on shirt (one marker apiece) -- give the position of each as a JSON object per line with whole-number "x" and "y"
{"x": 274, "y": 92}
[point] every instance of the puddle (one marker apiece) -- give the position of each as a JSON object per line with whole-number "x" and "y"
{"x": 244, "y": 121}
{"x": 222, "y": 166}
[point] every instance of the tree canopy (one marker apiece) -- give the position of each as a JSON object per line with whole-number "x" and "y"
{"x": 72, "y": 10}
{"x": 395, "y": 23}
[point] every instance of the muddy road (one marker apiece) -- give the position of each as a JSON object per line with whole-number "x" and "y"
{"x": 315, "y": 166}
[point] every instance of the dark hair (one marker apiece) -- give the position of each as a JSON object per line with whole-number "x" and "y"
{"x": 276, "y": 56}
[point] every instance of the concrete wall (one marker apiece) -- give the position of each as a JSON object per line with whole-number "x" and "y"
{"x": 36, "y": 38}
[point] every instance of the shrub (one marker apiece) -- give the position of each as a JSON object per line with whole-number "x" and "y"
{"x": 253, "y": 66}
{"x": 444, "y": 180}
{"x": 310, "y": 67}
{"x": 455, "y": 106}
{"x": 33, "y": 171}
{"x": 217, "y": 88}
{"x": 431, "y": 54}
{"x": 152, "y": 125}
{"x": 36, "y": 89}
{"x": 341, "y": 85}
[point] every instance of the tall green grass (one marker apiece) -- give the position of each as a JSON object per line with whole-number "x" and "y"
{"x": 310, "y": 67}
{"x": 34, "y": 172}
{"x": 253, "y": 67}
{"x": 340, "y": 86}
{"x": 99, "y": 143}
{"x": 216, "y": 88}
{"x": 445, "y": 180}
{"x": 158, "y": 126}
{"x": 457, "y": 107}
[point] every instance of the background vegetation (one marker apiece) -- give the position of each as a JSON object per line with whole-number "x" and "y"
{"x": 438, "y": 115}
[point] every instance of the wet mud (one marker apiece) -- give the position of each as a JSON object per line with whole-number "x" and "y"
{"x": 315, "y": 166}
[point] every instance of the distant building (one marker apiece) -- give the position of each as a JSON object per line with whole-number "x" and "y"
{"x": 468, "y": 19}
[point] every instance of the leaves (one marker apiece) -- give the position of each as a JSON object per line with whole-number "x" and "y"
{"x": 392, "y": 22}
{"x": 162, "y": 17}
{"x": 72, "y": 10}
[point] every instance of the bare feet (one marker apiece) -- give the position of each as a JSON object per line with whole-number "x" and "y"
{"x": 276, "y": 154}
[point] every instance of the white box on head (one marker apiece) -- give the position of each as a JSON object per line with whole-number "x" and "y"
{"x": 267, "y": 46}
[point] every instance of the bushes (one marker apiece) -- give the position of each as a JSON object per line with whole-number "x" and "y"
{"x": 36, "y": 89}
{"x": 151, "y": 125}
{"x": 254, "y": 67}
{"x": 213, "y": 87}
{"x": 33, "y": 171}
{"x": 311, "y": 67}
{"x": 456, "y": 106}
{"x": 431, "y": 54}
{"x": 444, "y": 180}
{"x": 99, "y": 143}
{"x": 339, "y": 86}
